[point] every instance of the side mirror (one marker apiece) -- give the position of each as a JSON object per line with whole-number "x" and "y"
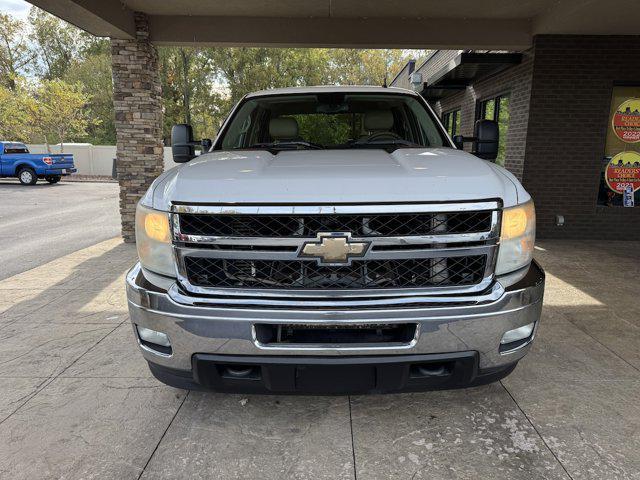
{"x": 182, "y": 144}
{"x": 486, "y": 135}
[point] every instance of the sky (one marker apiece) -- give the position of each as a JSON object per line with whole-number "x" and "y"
{"x": 16, "y": 8}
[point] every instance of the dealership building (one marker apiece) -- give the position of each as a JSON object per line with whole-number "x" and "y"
{"x": 561, "y": 77}
{"x": 569, "y": 115}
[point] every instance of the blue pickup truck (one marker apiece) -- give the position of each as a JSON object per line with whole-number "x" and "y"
{"x": 16, "y": 161}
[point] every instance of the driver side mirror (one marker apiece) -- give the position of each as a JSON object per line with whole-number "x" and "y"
{"x": 182, "y": 144}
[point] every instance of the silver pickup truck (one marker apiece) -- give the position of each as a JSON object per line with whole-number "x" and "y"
{"x": 334, "y": 240}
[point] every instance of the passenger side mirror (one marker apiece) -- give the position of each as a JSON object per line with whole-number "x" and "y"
{"x": 486, "y": 136}
{"x": 182, "y": 144}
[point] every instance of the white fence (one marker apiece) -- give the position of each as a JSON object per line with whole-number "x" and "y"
{"x": 94, "y": 159}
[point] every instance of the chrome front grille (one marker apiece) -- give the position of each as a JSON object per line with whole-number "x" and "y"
{"x": 406, "y": 273}
{"x": 411, "y": 249}
{"x": 372, "y": 225}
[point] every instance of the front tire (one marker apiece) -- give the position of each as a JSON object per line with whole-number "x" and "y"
{"x": 27, "y": 176}
{"x": 52, "y": 179}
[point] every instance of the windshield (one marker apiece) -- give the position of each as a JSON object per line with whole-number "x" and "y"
{"x": 331, "y": 120}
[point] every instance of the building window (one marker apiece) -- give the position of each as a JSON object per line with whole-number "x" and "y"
{"x": 620, "y": 172}
{"x": 497, "y": 109}
{"x": 451, "y": 121}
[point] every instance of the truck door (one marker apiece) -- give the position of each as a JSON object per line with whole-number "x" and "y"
{"x": 10, "y": 154}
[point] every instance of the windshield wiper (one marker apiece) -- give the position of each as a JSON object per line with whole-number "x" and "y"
{"x": 392, "y": 143}
{"x": 275, "y": 147}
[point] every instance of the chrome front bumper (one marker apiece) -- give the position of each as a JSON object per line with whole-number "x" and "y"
{"x": 459, "y": 324}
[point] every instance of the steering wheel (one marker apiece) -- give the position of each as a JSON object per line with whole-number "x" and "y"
{"x": 380, "y": 135}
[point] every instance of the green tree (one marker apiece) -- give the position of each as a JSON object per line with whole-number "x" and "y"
{"x": 94, "y": 74}
{"x": 58, "y": 43}
{"x": 188, "y": 92}
{"x": 14, "y": 116}
{"x": 243, "y": 70}
{"x": 90, "y": 45}
{"x": 15, "y": 54}
{"x": 367, "y": 67}
{"x": 57, "y": 111}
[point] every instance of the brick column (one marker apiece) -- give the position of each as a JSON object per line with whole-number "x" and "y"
{"x": 138, "y": 108}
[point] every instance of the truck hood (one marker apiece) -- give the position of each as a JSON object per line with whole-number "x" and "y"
{"x": 335, "y": 176}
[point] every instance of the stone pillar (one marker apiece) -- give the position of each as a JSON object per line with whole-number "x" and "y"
{"x": 137, "y": 99}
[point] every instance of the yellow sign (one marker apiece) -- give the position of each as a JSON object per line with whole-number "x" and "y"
{"x": 626, "y": 121}
{"x": 623, "y": 172}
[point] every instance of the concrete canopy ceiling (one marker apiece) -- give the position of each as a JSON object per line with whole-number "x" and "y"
{"x": 481, "y": 24}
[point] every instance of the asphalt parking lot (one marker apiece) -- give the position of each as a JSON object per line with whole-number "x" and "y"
{"x": 42, "y": 222}
{"x": 77, "y": 400}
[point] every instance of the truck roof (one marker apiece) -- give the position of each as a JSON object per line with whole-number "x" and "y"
{"x": 332, "y": 89}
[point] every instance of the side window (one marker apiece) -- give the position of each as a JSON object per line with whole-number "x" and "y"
{"x": 427, "y": 126}
{"x": 15, "y": 148}
{"x": 451, "y": 120}
{"x": 497, "y": 109}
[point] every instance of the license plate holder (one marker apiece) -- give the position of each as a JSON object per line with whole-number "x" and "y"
{"x": 334, "y": 378}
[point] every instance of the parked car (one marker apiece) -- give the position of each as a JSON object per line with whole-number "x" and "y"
{"x": 334, "y": 240}
{"x": 16, "y": 161}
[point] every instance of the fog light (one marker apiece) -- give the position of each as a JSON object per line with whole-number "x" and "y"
{"x": 152, "y": 336}
{"x": 517, "y": 334}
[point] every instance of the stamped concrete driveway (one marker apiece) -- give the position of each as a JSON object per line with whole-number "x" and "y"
{"x": 76, "y": 399}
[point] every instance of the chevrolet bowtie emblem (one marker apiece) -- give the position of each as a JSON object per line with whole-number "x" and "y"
{"x": 334, "y": 248}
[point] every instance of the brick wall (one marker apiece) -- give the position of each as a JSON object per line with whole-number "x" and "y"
{"x": 138, "y": 108}
{"x": 568, "y": 120}
{"x": 516, "y": 81}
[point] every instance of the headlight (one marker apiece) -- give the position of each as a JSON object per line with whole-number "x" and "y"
{"x": 153, "y": 240}
{"x": 516, "y": 238}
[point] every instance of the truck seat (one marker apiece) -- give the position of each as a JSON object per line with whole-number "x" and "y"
{"x": 283, "y": 128}
{"x": 378, "y": 121}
